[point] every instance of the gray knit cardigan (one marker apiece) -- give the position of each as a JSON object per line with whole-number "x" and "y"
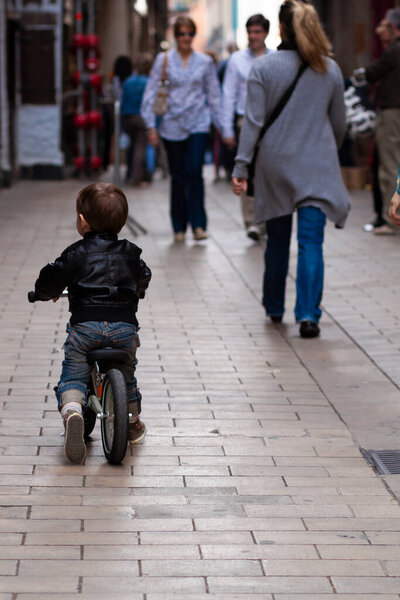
{"x": 297, "y": 164}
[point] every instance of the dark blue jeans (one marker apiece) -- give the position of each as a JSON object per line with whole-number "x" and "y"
{"x": 92, "y": 335}
{"x": 310, "y": 265}
{"x": 185, "y": 161}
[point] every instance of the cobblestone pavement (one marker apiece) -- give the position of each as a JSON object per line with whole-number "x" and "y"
{"x": 250, "y": 483}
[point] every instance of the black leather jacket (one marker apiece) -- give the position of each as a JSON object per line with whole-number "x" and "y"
{"x": 105, "y": 278}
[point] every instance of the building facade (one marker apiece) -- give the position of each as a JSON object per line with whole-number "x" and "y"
{"x": 37, "y": 62}
{"x": 351, "y": 27}
{"x": 31, "y": 88}
{"x": 129, "y": 28}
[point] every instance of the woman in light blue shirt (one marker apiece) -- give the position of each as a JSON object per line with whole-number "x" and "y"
{"x": 194, "y": 99}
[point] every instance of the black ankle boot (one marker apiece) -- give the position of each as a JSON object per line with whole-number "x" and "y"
{"x": 276, "y": 318}
{"x": 309, "y": 329}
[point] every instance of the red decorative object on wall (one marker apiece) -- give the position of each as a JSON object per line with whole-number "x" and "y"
{"x": 95, "y": 162}
{"x": 88, "y": 81}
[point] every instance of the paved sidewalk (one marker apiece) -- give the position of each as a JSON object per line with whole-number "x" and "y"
{"x": 250, "y": 483}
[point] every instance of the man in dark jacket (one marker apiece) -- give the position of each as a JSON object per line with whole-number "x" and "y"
{"x": 105, "y": 278}
{"x": 385, "y": 72}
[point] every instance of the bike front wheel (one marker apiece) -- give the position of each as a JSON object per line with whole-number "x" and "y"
{"x": 114, "y": 425}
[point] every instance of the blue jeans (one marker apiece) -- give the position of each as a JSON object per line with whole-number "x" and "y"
{"x": 92, "y": 335}
{"x": 185, "y": 161}
{"x": 310, "y": 265}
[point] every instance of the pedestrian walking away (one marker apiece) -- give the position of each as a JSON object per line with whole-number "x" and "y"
{"x": 132, "y": 95}
{"x": 112, "y": 91}
{"x": 226, "y": 155}
{"x": 105, "y": 278}
{"x": 297, "y": 166}
{"x": 231, "y": 47}
{"x": 194, "y": 97}
{"x": 234, "y": 103}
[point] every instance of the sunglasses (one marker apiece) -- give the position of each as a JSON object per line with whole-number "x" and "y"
{"x": 185, "y": 33}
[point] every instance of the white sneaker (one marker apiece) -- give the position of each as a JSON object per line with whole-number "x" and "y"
{"x": 74, "y": 443}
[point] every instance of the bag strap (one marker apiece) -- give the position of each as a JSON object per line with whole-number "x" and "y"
{"x": 282, "y": 102}
{"x": 271, "y": 119}
{"x": 164, "y": 75}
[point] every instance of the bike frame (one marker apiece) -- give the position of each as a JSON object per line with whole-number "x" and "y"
{"x": 94, "y": 400}
{"x": 97, "y": 387}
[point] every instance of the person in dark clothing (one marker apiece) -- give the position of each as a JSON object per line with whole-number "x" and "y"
{"x": 105, "y": 278}
{"x": 221, "y": 67}
{"x": 379, "y": 220}
{"x": 132, "y": 95}
{"x": 112, "y": 91}
{"x": 226, "y": 157}
{"x": 385, "y": 72}
{"x": 383, "y": 31}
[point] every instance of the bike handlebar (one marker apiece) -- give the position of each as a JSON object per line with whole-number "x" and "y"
{"x": 34, "y": 297}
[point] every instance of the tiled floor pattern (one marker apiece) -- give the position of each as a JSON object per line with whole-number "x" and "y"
{"x": 249, "y": 484}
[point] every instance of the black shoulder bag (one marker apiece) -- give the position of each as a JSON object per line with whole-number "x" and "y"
{"x": 272, "y": 118}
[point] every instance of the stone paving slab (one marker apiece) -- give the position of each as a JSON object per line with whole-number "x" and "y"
{"x": 250, "y": 483}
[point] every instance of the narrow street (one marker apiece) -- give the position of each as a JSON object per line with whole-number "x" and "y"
{"x": 250, "y": 483}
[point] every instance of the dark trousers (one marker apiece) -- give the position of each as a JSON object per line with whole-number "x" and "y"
{"x": 376, "y": 188}
{"x": 276, "y": 260}
{"x": 310, "y": 264}
{"x": 137, "y": 169}
{"x": 185, "y": 161}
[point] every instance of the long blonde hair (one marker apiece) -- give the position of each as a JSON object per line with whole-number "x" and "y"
{"x": 301, "y": 24}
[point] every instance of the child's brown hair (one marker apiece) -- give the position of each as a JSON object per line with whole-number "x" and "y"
{"x": 104, "y": 207}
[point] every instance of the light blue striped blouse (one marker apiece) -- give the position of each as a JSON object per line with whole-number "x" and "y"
{"x": 194, "y": 96}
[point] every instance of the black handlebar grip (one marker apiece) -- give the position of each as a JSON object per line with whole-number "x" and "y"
{"x": 32, "y": 297}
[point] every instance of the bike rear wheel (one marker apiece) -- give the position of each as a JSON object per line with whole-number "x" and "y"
{"x": 114, "y": 425}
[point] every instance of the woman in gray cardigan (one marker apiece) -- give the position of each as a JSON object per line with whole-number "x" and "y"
{"x": 297, "y": 167}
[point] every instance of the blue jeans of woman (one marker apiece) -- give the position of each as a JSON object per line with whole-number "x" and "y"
{"x": 185, "y": 161}
{"x": 92, "y": 335}
{"x": 310, "y": 264}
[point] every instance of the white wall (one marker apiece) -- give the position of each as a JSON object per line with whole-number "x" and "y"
{"x": 38, "y": 131}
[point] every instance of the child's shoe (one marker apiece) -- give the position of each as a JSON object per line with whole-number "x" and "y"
{"x": 136, "y": 432}
{"x": 74, "y": 444}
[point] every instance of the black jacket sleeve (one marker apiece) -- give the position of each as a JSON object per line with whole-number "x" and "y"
{"x": 144, "y": 278}
{"x": 53, "y": 278}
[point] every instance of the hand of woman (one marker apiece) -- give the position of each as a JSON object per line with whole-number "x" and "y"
{"x": 394, "y": 209}
{"x": 152, "y": 137}
{"x": 239, "y": 185}
{"x": 229, "y": 142}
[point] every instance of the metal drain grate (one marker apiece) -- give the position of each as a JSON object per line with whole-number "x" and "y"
{"x": 386, "y": 462}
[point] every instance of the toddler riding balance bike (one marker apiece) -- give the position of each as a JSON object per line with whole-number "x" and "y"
{"x": 107, "y": 399}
